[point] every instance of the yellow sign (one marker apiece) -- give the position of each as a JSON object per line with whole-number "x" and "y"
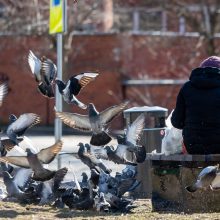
{"x": 56, "y": 16}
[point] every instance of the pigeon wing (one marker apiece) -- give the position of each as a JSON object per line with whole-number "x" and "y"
{"x": 58, "y": 178}
{"x": 8, "y": 144}
{"x": 3, "y": 91}
{"x": 35, "y": 65}
{"x": 20, "y": 161}
{"x": 74, "y": 120}
{"x": 135, "y": 129}
{"x": 85, "y": 78}
{"x": 24, "y": 122}
{"x": 110, "y": 113}
{"x": 48, "y": 154}
{"x": 49, "y": 70}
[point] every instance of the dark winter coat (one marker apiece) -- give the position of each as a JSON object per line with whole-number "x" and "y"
{"x": 197, "y": 111}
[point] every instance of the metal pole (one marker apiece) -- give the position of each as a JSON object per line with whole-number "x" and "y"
{"x": 58, "y": 97}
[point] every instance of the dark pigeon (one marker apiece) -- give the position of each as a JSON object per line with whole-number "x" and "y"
{"x": 74, "y": 85}
{"x": 50, "y": 189}
{"x": 126, "y": 144}
{"x": 94, "y": 121}
{"x": 35, "y": 161}
{"x": 18, "y": 126}
{"x": 45, "y": 72}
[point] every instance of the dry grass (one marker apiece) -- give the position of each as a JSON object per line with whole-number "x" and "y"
{"x": 143, "y": 211}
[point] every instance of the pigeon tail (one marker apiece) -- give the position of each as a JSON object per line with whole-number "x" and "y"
{"x": 100, "y": 139}
{"x": 45, "y": 176}
{"x": 191, "y": 188}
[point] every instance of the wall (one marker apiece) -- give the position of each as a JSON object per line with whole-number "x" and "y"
{"x": 116, "y": 57}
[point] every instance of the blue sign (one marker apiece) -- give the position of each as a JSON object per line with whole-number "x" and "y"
{"x": 56, "y": 2}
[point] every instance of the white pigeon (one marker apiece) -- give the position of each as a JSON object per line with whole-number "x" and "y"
{"x": 208, "y": 177}
{"x": 172, "y": 140}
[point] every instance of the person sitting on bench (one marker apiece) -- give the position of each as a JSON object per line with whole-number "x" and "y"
{"x": 197, "y": 109}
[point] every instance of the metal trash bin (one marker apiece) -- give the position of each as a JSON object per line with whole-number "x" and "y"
{"x": 151, "y": 138}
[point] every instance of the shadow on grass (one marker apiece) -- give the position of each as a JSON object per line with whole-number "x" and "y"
{"x": 12, "y": 213}
{"x": 67, "y": 213}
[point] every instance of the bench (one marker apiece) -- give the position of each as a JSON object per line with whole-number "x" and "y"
{"x": 169, "y": 177}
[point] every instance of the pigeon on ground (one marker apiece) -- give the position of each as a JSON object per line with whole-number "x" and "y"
{"x": 100, "y": 203}
{"x": 172, "y": 140}
{"x": 94, "y": 121}
{"x": 18, "y": 126}
{"x": 15, "y": 184}
{"x": 205, "y": 179}
{"x": 50, "y": 188}
{"x": 74, "y": 85}
{"x": 45, "y": 72}
{"x": 34, "y": 161}
{"x": 3, "y": 91}
{"x": 126, "y": 144}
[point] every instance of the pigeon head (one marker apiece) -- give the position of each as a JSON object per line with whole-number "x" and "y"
{"x": 28, "y": 150}
{"x": 84, "y": 175}
{"x": 61, "y": 85}
{"x": 12, "y": 118}
{"x": 92, "y": 110}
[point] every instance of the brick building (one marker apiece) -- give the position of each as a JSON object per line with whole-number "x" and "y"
{"x": 136, "y": 51}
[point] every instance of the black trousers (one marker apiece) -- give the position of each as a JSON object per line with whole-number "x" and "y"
{"x": 202, "y": 149}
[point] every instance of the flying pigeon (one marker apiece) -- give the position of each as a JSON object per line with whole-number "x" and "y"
{"x": 205, "y": 179}
{"x": 126, "y": 144}
{"x": 34, "y": 161}
{"x": 44, "y": 71}
{"x": 3, "y": 91}
{"x": 74, "y": 85}
{"x": 94, "y": 121}
{"x": 90, "y": 160}
{"x": 18, "y": 126}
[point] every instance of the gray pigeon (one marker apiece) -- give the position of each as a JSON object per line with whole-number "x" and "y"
{"x": 50, "y": 188}
{"x": 14, "y": 184}
{"x": 94, "y": 121}
{"x": 90, "y": 160}
{"x": 205, "y": 179}
{"x": 18, "y": 126}
{"x": 126, "y": 144}
{"x": 100, "y": 203}
{"x": 74, "y": 85}
{"x": 34, "y": 161}
{"x": 44, "y": 71}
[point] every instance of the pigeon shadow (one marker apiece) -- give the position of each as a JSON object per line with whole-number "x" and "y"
{"x": 12, "y": 213}
{"x": 67, "y": 213}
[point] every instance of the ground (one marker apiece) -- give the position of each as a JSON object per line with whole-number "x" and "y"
{"x": 143, "y": 211}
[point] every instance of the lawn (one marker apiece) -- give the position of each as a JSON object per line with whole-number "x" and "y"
{"x": 142, "y": 211}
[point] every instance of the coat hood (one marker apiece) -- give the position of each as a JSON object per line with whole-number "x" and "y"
{"x": 205, "y": 78}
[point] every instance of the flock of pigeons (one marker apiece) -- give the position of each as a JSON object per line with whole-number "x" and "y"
{"x": 28, "y": 180}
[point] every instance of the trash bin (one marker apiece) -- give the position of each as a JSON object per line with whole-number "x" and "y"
{"x": 151, "y": 138}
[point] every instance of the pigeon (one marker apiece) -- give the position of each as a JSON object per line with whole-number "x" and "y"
{"x": 90, "y": 160}
{"x": 18, "y": 126}
{"x": 74, "y": 85}
{"x": 15, "y": 184}
{"x": 94, "y": 121}
{"x": 100, "y": 203}
{"x": 45, "y": 72}
{"x": 50, "y": 188}
{"x": 3, "y": 91}
{"x": 172, "y": 140}
{"x": 34, "y": 161}
{"x": 125, "y": 145}
{"x": 204, "y": 179}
